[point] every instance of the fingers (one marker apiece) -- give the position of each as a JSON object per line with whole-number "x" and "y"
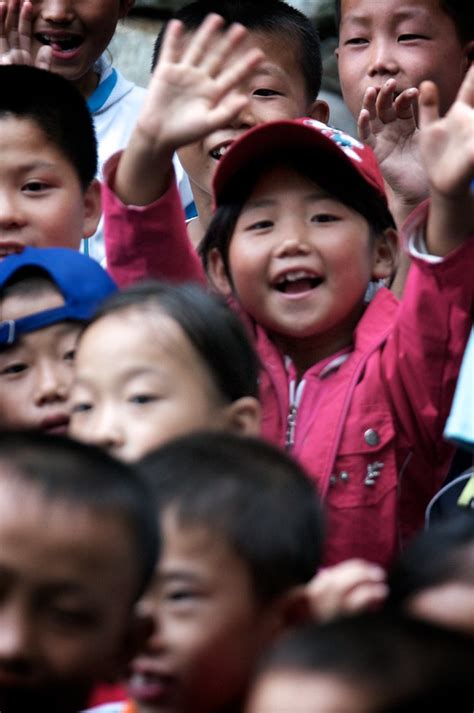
{"x": 4, "y": 46}
{"x": 220, "y": 51}
{"x": 201, "y": 42}
{"x": 44, "y": 58}
{"x": 232, "y": 76}
{"x": 170, "y": 49}
{"x": 25, "y": 26}
{"x": 466, "y": 92}
{"x": 428, "y": 104}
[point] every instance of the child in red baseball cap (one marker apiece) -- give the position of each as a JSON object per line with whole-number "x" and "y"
{"x": 356, "y": 386}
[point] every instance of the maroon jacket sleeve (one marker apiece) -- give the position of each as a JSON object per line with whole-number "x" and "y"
{"x": 147, "y": 241}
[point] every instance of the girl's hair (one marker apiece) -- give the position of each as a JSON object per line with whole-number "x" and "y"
{"x": 444, "y": 553}
{"x": 335, "y": 178}
{"x": 212, "y": 328}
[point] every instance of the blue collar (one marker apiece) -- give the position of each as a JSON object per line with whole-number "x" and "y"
{"x": 98, "y": 98}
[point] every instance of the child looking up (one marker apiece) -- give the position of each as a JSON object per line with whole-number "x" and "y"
{"x": 46, "y": 296}
{"x": 360, "y": 394}
{"x": 241, "y": 533}
{"x": 78, "y": 545}
{"x": 48, "y": 193}
{"x": 284, "y": 85}
{"x": 159, "y": 361}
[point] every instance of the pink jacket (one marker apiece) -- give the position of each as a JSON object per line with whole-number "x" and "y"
{"x": 368, "y": 424}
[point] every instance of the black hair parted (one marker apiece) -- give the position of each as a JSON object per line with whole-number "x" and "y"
{"x": 215, "y": 331}
{"x": 444, "y": 553}
{"x": 57, "y": 108}
{"x": 272, "y": 17}
{"x": 456, "y": 9}
{"x": 85, "y": 476}
{"x": 333, "y": 176}
{"x": 249, "y": 493}
{"x": 399, "y": 664}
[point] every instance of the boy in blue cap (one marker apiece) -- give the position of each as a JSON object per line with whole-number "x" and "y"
{"x": 46, "y": 295}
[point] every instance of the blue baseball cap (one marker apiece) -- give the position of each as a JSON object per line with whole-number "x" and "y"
{"x": 82, "y": 282}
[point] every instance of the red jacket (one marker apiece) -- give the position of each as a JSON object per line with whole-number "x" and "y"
{"x": 368, "y": 427}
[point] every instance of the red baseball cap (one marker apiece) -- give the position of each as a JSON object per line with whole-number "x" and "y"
{"x": 266, "y": 141}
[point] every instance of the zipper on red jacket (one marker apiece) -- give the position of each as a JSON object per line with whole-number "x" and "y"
{"x": 295, "y": 395}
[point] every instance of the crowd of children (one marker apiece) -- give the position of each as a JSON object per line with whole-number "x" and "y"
{"x": 219, "y": 451}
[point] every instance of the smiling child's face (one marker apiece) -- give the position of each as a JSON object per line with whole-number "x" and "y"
{"x": 66, "y": 596}
{"x": 78, "y": 31}
{"x": 301, "y": 262}
{"x": 408, "y": 41}
{"x": 36, "y": 371}
{"x": 209, "y": 625}
{"x": 42, "y": 203}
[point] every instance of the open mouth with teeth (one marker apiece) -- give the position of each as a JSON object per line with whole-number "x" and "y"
{"x": 218, "y": 152}
{"x": 294, "y": 283}
{"x": 65, "y": 43}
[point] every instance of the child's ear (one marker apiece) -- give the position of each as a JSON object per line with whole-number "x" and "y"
{"x": 385, "y": 254}
{"x": 291, "y": 609}
{"x": 217, "y": 273}
{"x": 92, "y": 209}
{"x": 468, "y": 55}
{"x": 243, "y": 416}
{"x": 320, "y": 111}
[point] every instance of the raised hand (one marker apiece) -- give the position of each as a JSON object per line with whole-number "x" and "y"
{"x": 16, "y": 32}
{"x": 194, "y": 88}
{"x": 447, "y": 150}
{"x": 346, "y": 588}
{"x": 387, "y": 123}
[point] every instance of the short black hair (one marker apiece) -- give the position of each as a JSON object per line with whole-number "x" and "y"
{"x": 444, "y": 553}
{"x": 57, "y": 108}
{"x": 86, "y": 476}
{"x": 272, "y": 17}
{"x": 456, "y": 9}
{"x": 333, "y": 175}
{"x": 214, "y": 330}
{"x": 405, "y": 664}
{"x": 250, "y": 494}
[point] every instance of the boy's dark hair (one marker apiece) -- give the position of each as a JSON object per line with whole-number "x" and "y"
{"x": 332, "y": 176}
{"x": 444, "y": 553}
{"x": 57, "y": 108}
{"x": 250, "y": 494}
{"x": 85, "y": 476}
{"x": 456, "y": 9}
{"x": 213, "y": 329}
{"x": 406, "y": 665}
{"x": 265, "y": 16}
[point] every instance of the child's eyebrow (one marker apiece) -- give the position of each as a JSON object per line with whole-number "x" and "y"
{"x": 177, "y": 575}
{"x": 312, "y": 197}
{"x": 35, "y": 165}
{"x": 404, "y": 13}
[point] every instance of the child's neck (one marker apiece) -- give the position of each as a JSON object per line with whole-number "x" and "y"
{"x": 88, "y": 83}
{"x": 305, "y": 352}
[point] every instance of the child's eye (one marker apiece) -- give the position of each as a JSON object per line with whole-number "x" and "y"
{"x": 16, "y": 368}
{"x": 81, "y": 407}
{"x": 179, "y": 596}
{"x": 264, "y": 92}
{"x": 70, "y": 355}
{"x": 142, "y": 398}
{"x": 72, "y": 618}
{"x": 356, "y": 41}
{"x": 35, "y": 186}
{"x": 324, "y": 218}
{"x": 407, "y": 37}
{"x": 260, "y": 225}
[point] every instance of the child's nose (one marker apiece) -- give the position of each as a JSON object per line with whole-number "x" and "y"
{"x": 11, "y": 215}
{"x": 57, "y": 11}
{"x": 382, "y": 59}
{"x": 106, "y": 429}
{"x": 16, "y": 637}
{"x": 294, "y": 242}
{"x": 52, "y": 383}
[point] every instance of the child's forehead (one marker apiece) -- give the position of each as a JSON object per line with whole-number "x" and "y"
{"x": 364, "y": 10}
{"x": 25, "y": 303}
